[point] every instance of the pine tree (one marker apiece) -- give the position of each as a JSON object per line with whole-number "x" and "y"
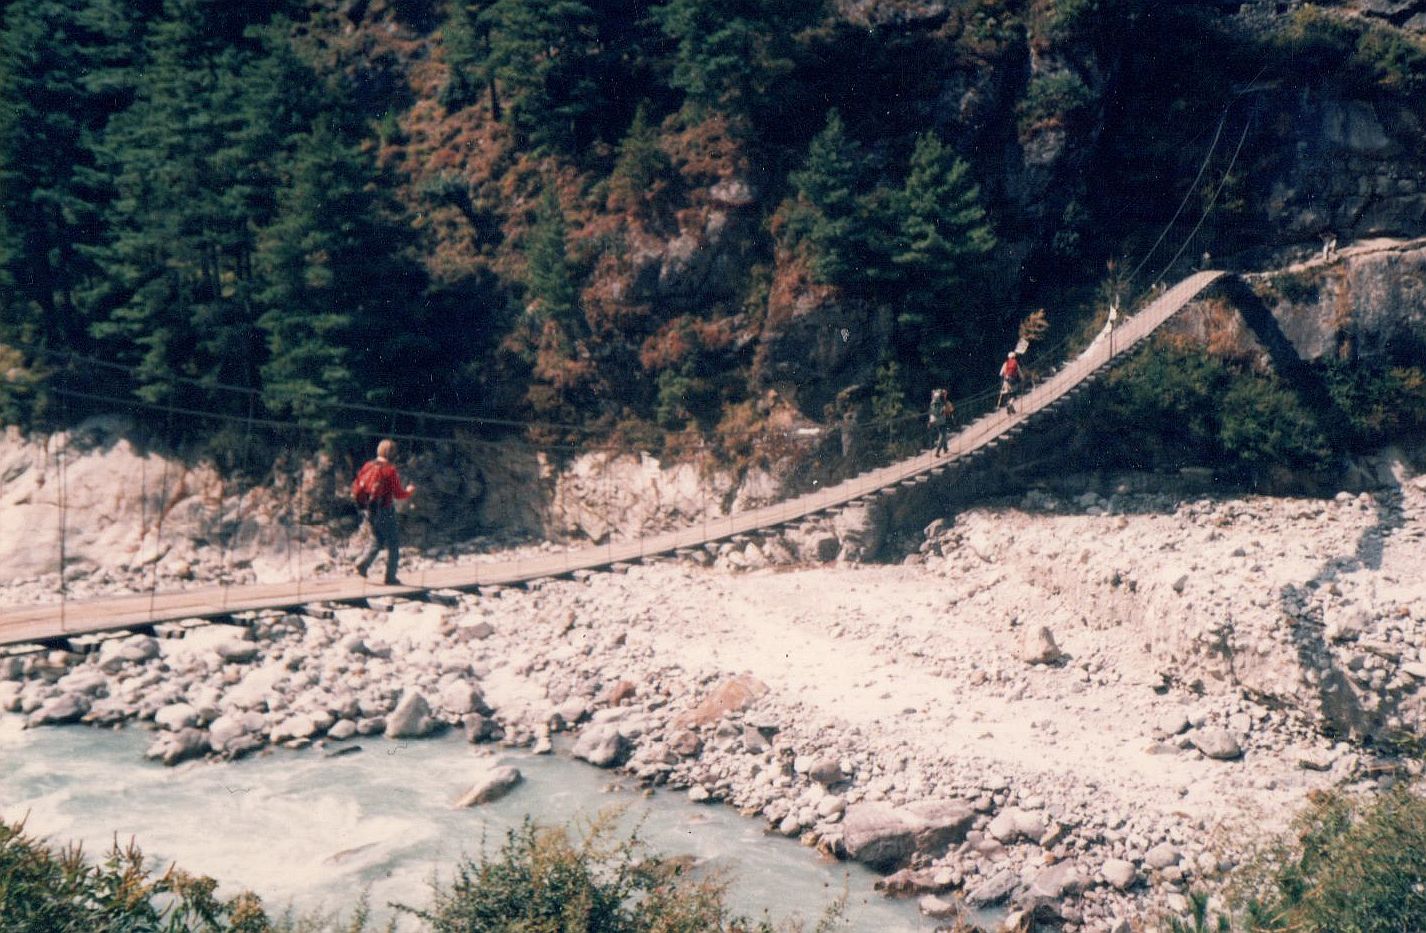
{"x": 834, "y": 214}
{"x": 194, "y": 166}
{"x": 551, "y": 293}
{"x": 540, "y": 53}
{"x": 467, "y": 47}
{"x": 943, "y": 232}
{"x": 730, "y": 54}
{"x": 64, "y": 67}
{"x": 642, "y": 168}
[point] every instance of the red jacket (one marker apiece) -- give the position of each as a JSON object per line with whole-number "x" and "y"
{"x": 385, "y": 485}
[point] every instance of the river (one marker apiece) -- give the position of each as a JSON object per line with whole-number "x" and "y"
{"x": 306, "y": 831}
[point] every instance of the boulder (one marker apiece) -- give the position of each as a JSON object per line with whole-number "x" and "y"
{"x": 602, "y": 745}
{"x": 686, "y": 744}
{"x": 825, "y": 771}
{"x": 176, "y": 716}
{"x": 227, "y": 729}
{"x": 13, "y": 668}
{"x": 1162, "y": 856}
{"x": 301, "y": 726}
{"x": 491, "y": 786}
{"x": 1040, "y": 647}
{"x": 460, "y": 697}
{"x": 1052, "y": 885}
{"x": 733, "y": 694}
{"x": 237, "y": 652}
{"x": 1217, "y": 743}
{"x": 1013, "y": 824}
{"x": 174, "y": 747}
{"x": 1120, "y": 874}
{"x": 341, "y": 729}
{"x": 879, "y": 835}
{"x": 65, "y": 708}
{"x": 87, "y": 681}
{"x": 477, "y": 727}
{"x": 994, "y": 889}
{"x": 943, "y": 823}
{"x": 620, "y": 693}
{"x": 411, "y": 719}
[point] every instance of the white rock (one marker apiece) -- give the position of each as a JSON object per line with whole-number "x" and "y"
{"x": 491, "y": 786}
{"x": 1120, "y": 874}
{"x": 411, "y": 719}
{"x": 176, "y": 716}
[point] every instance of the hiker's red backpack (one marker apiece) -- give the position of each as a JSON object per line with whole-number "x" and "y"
{"x": 367, "y": 483}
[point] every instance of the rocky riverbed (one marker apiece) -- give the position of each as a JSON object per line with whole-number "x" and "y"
{"x": 1079, "y": 708}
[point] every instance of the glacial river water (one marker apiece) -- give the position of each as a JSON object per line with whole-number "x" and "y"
{"x": 310, "y": 832}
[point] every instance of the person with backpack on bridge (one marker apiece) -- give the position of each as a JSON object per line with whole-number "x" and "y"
{"x": 942, "y": 414}
{"x": 376, "y": 488}
{"x": 1010, "y": 376}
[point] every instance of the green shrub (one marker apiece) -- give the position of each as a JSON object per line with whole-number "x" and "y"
{"x": 1379, "y": 402}
{"x": 1264, "y": 424}
{"x": 542, "y": 881}
{"x": 1053, "y": 98}
{"x": 1179, "y": 404}
{"x": 46, "y": 889}
{"x": 1351, "y": 865}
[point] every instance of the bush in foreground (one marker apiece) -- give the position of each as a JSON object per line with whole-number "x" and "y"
{"x": 541, "y": 881}
{"x": 1353, "y": 865}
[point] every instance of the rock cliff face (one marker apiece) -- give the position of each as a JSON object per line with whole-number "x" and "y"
{"x": 1358, "y": 304}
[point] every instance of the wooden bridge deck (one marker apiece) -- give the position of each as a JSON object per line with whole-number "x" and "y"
{"x": 38, "y": 623}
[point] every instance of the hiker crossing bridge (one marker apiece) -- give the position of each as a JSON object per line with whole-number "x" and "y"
{"x": 82, "y": 617}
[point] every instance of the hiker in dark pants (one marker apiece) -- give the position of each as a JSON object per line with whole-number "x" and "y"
{"x": 376, "y": 488}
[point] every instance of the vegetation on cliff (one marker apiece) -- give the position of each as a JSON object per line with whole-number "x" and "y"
{"x": 602, "y": 218}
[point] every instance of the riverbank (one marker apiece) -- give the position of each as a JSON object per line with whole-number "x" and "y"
{"x": 916, "y": 718}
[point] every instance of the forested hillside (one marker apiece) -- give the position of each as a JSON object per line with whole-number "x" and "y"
{"x": 667, "y": 223}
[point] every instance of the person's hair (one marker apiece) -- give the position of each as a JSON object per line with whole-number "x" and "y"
{"x": 386, "y": 448}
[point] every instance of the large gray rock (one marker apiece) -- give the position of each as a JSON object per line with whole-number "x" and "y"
{"x": 301, "y": 726}
{"x": 942, "y": 823}
{"x": 826, "y": 771}
{"x": 230, "y": 727}
{"x": 1216, "y": 743}
{"x": 65, "y": 708}
{"x": 602, "y": 745}
{"x": 879, "y": 835}
{"x": 411, "y": 719}
{"x": 491, "y": 786}
{"x": 174, "y": 747}
{"x": 1051, "y": 885}
{"x": 994, "y": 889}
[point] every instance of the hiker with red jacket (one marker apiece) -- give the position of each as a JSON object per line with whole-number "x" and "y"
{"x": 1009, "y": 378}
{"x": 376, "y": 488}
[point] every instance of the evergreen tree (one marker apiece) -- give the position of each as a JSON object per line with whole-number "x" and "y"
{"x": 551, "y": 292}
{"x": 832, "y": 213}
{"x": 194, "y": 167}
{"x": 63, "y": 64}
{"x": 730, "y": 54}
{"x": 305, "y": 260}
{"x": 642, "y": 168}
{"x": 540, "y": 52}
{"x": 467, "y": 47}
{"x": 943, "y": 232}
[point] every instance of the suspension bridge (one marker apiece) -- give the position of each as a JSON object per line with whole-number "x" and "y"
{"x": 68, "y": 618}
